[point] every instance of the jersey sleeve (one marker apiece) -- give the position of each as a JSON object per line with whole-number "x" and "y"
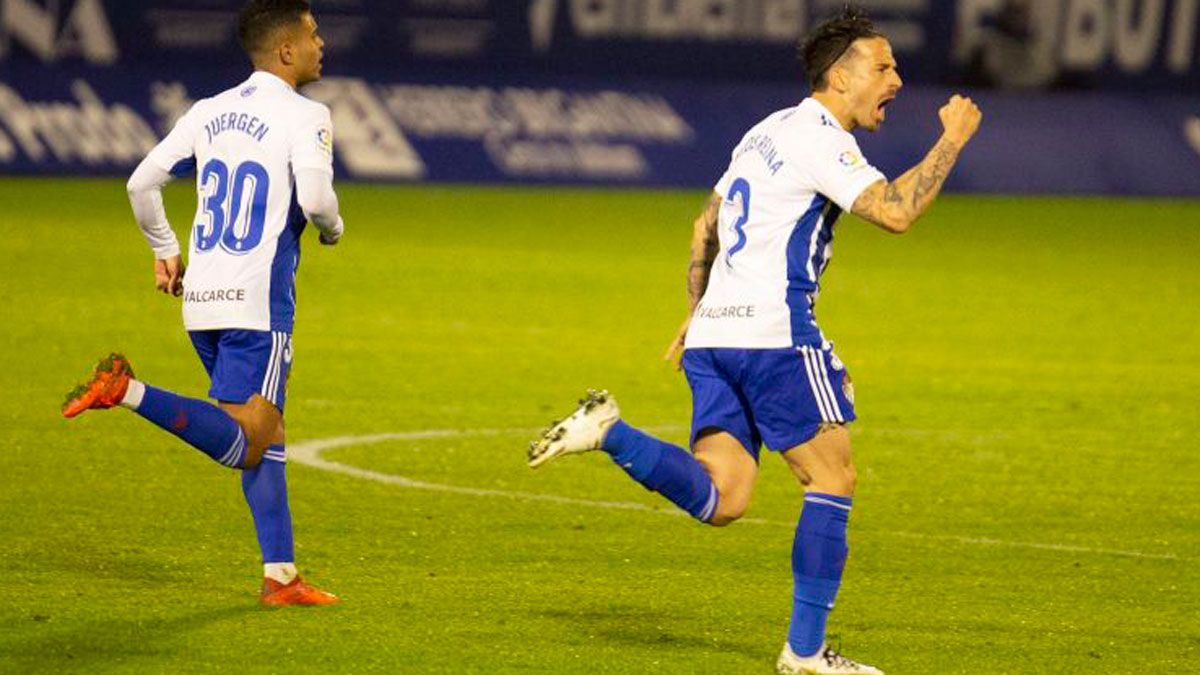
{"x": 839, "y": 170}
{"x": 176, "y": 154}
{"x": 312, "y": 144}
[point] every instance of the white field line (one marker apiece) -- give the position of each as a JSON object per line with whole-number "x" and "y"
{"x": 308, "y": 453}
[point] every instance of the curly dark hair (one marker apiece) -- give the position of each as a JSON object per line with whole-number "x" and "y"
{"x": 259, "y": 19}
{"x": 830, "y": 40}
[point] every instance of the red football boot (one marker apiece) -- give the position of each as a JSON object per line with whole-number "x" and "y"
{"x": 275, "y": 594}
{"x": 105, "y": 389}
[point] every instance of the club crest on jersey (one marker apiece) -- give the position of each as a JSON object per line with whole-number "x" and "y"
{"x": 325, "y": 140}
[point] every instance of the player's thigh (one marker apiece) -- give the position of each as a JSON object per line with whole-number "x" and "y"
{"x": 732, "y": 469}
{"x": 802, "y": 400}
{"x": 723, "y": 435}
{"x": 825, "y": 463}
{"x": 796, "y": 392}
{"x": 717, "y": 402}
{"x": 251, "y": 362}
{"x": 206, "y": 344}
{"x": 249, "y": 380}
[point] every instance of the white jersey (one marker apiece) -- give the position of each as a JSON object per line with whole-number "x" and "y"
{"x": 246, "y": 145}
{"x": 788, "y": 180}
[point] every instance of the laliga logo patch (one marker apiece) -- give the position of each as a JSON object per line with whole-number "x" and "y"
{"x": 325, "y": 140}
{"x": 849, "y": 159}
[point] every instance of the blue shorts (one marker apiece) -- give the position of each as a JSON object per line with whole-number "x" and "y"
{"x": 242, "y": 363}
{"x": 779, "y": 397}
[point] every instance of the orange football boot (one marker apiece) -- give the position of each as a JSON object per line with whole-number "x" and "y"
{"x": 275, "y": 594}
{"x": 105, "y": 389}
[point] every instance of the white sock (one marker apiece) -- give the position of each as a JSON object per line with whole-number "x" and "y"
{"x": 133, "y": 395}
{"x": 281, "y": 572}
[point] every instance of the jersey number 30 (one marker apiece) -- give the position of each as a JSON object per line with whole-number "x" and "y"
{"x": 235, "y": 221}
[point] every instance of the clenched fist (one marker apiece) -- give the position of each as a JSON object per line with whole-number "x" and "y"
{"x": 960, "y": 119}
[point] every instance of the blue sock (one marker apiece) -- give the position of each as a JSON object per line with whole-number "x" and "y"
{"x": 663, "y": 468}
{"x": 265, "y": 487}
{"x": 201, "y": 424}
{"x": 818, "y": 557}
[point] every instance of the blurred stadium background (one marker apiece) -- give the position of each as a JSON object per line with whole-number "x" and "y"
{"x": 623, "y": 92}
{"x": 518, "y": 179}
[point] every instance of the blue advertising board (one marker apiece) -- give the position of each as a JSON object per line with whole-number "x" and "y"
{"x": 1135, "y": 45}
{"x": 622, "y": 92}
{"x": 589, "y": 131}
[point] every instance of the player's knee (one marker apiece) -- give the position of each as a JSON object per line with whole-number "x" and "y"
{"x": 849, "y": 480}
{"x": 842, "y": 481}
{"x": 721, "y": 519}
{"x": 729, "y": 509}
{"x": 833, "y": 478}
{"x": 260, "y": 435}
{"x": 253, "y": 457}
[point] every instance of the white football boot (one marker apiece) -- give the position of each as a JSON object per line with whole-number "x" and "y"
{"x": 583, "y": 431}
{"x": 825, "y": 662}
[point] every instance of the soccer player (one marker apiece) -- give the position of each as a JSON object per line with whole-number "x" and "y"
{"x": 265, "y": 157}
{"x": 759, "y": 368}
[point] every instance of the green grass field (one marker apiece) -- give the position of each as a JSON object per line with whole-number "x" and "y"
{"x": 1027, "y": 374}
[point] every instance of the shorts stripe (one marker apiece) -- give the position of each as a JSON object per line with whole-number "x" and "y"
{"x": 265, "y": 390}
{"x": 271, "y": 381}
{"x": 277, "y": 374}
{"x": 818, "y": 392}
{"x": 824, "y": 379}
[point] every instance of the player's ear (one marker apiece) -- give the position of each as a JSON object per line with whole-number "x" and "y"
{"x": 287, "y": 53}
{"x": 839, "y": 79}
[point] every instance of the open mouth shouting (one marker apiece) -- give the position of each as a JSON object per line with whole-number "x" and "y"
{"x": 884, "y": 102}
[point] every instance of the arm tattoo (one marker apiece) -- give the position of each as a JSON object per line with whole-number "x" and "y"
{"x": 891, "y": 194}
{"x": 712, "y": 209}
{"x": 705, "y": 246}
{"x": 906, "y": 198}
{"x": 930, "y": 178}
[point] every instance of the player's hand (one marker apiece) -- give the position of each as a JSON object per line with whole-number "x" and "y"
{"x": 329, "y": 240}
{"x": 675, "y": 349}
{"x": 960, "y": 119}
{"x": 168, "y": 275}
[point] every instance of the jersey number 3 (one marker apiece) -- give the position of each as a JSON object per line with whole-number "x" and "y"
{"x": 235, "y": 221}
{"x": 739, "y": 191}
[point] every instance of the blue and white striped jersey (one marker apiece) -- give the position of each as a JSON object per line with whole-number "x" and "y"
{"x": 788, "y": 180}
{"x": 246, "y": 144}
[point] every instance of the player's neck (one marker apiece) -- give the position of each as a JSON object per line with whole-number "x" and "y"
{"x": 282, "y": 73}
{"x": 835, "y": 105}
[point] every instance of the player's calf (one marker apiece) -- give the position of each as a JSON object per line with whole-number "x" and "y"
{"x": 659, "y": 466}
{"x": 204, "y": 426}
